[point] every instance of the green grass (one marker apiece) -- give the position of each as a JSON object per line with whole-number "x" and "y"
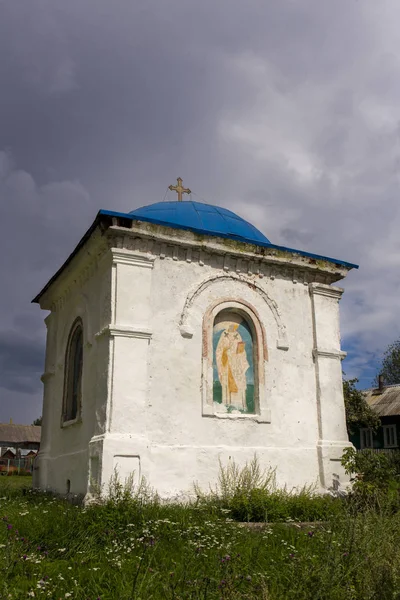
{"x": 134, "y": 547}
{"x": 15, "y": 482}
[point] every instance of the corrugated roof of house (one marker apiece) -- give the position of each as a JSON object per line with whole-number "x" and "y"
{"x": 385, "y": 403}
{"x": 18, "y": 434}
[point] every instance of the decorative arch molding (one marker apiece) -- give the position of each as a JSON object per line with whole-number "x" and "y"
{"x": 282, "y": 341}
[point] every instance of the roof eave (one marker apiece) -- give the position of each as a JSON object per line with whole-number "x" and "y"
{"x": 108, "y": 213}
{"x": 81, "y": 242}
{"x": 238, "y": 238}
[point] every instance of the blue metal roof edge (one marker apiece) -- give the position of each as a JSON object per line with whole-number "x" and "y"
{"x": 111, "y": 213}
{"x": 344, "y": 263}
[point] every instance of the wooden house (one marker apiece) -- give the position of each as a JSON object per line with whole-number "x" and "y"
{"x": 385, "y": 402}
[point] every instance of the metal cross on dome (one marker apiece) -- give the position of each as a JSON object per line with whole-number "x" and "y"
{"x": 179, "y": 189}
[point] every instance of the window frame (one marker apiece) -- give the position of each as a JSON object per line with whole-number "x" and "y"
{"x": 386, "y": 429}
{"x": 366, "y": 431}
{"x": 262, "y": 412}
{"x": 68, "y": 417}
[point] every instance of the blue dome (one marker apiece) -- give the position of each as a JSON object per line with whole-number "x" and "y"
{"x": 201, "y": 218}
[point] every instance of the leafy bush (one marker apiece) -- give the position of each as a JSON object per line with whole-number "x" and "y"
{"x": 394, "y": 461}
{"x": 358, "y": 412}
{"x": 369, "y": 467}
{"x": 375, "y": 479}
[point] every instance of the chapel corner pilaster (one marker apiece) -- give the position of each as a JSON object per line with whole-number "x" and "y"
{"x": 327, "y": 356}
{"x": 128, "y": 333}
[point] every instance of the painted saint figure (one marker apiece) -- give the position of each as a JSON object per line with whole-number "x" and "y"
{"x": 232, "y": 365}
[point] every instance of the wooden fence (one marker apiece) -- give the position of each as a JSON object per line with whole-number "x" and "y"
{"x": 11, "y": 466}
{"x": 380, "y": 450}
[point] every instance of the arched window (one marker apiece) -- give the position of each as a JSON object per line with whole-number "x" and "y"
{"x": 234, "y": 363}
{"x": 73, "y": 373}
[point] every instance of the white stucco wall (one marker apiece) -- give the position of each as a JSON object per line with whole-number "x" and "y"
{"x": 144, "y": 407}
{"x": 64, "y": 449}
{"x": 156, "y": 409}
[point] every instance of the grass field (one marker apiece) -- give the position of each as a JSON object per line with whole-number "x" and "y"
{"x": 15, "y": 482}
{"x": 138, "y": 548}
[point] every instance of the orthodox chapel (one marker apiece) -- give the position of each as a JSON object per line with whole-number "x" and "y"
{"x": 178, "y": 337}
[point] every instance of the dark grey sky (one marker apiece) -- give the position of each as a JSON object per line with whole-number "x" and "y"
{"x": 285, "y": 112}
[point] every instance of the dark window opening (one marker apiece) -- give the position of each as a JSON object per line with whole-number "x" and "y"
{"x": 73, "y": 373}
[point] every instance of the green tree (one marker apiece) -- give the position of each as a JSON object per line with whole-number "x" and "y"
{"x": 390, "y": 368}
{"x": 358, "y": 413}
{"x": 37, "y": 421}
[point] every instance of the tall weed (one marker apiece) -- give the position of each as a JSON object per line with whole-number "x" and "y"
{"x": 233, "y": 480}
{"x": 250, "y": 493}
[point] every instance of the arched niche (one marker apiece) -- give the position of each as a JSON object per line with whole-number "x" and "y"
{"x": 234, "y": 356}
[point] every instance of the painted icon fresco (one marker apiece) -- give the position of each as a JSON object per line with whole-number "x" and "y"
{"x": 233, "y": 363}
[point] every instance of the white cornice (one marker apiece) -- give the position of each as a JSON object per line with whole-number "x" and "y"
{"x": 329, "y": 353}
{"x": 248, "y": 258}
{"x": 142, "y": 244}
{"x": 125, "y": 331}
{"x": 319, "y": 289}
{"x": 126, "y": 257}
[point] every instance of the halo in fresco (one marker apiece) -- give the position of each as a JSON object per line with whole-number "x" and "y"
{"x": 233, "y": 364}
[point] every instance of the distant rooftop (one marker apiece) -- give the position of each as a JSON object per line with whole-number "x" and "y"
{"x": 19, "y": 434}
{"x": 385, "y": 402}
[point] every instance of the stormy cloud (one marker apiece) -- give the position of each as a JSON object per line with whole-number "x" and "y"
{"x": 285, "y": 112}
